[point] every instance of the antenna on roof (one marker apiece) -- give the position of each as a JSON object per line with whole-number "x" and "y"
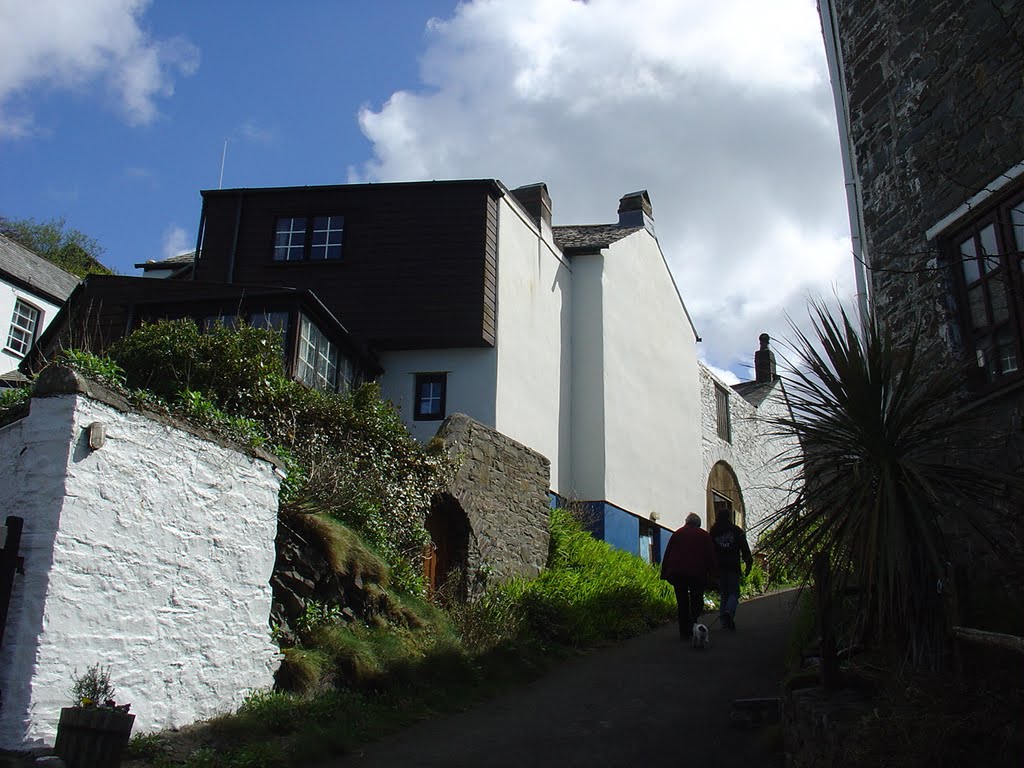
{"x": 223, "y": 154}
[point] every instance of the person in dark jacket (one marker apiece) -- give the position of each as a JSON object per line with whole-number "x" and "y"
{"x": 689, "y": 566}
{"x": 730, "y": 546}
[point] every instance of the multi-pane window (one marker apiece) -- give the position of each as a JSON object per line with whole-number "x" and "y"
{"x": 987, "y": 263}
{"x": 430, "y": 396}
{"x": 318, "y": 357}
{"x": 24, "y": 324}
{"x": 290, "y": 239}
{"x": 722, "y": 413}
{"x": 327, "y": 231}
{"x": 316, "y": 238}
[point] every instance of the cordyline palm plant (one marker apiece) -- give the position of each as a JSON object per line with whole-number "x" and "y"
{"x": 883, "y": 476}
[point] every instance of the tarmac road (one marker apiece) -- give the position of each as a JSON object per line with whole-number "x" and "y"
{"x": 652, "y": 701}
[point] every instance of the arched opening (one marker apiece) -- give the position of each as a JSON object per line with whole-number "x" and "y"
{"x": 723, "y": 493}
{"x": 444, "y": 557}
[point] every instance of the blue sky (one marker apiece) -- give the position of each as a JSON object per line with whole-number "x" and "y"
{"x": 113, "y": 114}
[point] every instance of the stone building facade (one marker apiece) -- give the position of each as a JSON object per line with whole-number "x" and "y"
{"x": 930, "y": 100}
{"x": 492, "y": 525}
{"x": 744, "y": 457}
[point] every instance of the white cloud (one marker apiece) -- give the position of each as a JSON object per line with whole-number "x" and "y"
{"x": 175, "y": 242}
{"x": 69, "y": 45}
{"x": 721, "y": 110}
{"x": 255, "y": 133}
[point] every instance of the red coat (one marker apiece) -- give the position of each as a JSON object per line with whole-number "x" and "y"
{"x": 690, "y": 553}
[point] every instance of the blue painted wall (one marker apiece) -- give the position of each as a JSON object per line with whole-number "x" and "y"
{"x": 617, "y": 526}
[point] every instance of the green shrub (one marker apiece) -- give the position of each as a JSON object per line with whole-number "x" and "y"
{"x": 590, "y": 591}
{"x": 100, "y": 368}
{"x": 349, "y": 455}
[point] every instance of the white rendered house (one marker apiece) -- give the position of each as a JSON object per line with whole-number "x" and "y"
{"x": 32, "y": 291}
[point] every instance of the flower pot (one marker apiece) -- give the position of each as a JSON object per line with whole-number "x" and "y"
{"x": 92, "y": 737}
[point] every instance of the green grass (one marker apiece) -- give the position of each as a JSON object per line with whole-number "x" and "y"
{"x": 355, "y": 682}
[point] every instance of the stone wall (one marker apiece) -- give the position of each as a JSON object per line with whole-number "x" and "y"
{"x": 502, "y": 486}
{"x": 936, "y": 102}
{"x": 150, "y": 555}
{"x": 936, "y": 114}
{"x": 753, "y": 453}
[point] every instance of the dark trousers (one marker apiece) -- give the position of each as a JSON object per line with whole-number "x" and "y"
{"x": 729, "y": 592}
{"x": 690, "y": 603}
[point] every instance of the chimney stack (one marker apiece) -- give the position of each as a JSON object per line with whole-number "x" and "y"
{"x": 635, "y": 211}
{"x": 764, "y": 362}
{"x": 535, "y": 199}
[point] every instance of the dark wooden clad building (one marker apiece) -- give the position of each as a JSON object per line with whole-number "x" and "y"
{"x": 317, "y": 349}
{"x": 407, "y": 265}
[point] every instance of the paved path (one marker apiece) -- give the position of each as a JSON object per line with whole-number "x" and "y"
{"x": 651, "y": 701}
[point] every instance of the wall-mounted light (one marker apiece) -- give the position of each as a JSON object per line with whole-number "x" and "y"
{"x": 97, "y": 435}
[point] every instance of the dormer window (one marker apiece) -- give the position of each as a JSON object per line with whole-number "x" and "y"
{"x": 308, "y": 238}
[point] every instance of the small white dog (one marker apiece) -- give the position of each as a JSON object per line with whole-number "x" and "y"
{"x": 701, "y": 636}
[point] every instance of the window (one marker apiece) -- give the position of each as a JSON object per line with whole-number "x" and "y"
{"x": 722, "y": 408}
{"x": 648, "y": 537}
{"x": 314, "y": 238}
{"x": 986, "y": 258}
{"x": 290, "y": 240}
{"x": 430, "y": 396}
{"x": 272, "y": 321}
{"x": 24, "y": 324}
{"x": 318, "y": 357}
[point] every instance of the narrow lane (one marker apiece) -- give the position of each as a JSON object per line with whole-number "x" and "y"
{"x": 648, "y": 702}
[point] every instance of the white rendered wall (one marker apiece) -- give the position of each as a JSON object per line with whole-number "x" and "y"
{"x": 8, "y": 296}
{"x": 588, "y": 431}
{"x": 651, "y": 396}
{"x": 534, "y": 381}
{"x": 470, "y": 388}
{"x": 753, "y": 454}
{"x": 151, "y": 556}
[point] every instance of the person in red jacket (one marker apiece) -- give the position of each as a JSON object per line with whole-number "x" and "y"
{"x": 689, "y": 566}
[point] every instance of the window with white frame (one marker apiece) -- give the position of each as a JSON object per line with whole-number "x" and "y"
{"x": 24, "y": 325}
{"x": 308, "y": 238}
{"x": 327, "y": 232}
{"x": 318, "y": 357}
{"x": 431, "y": 393}
{"x": 290, "y": 239}
{"x": 987, "y": 256}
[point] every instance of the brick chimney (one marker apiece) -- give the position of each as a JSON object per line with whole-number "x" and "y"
{"x": 535, "y": 199}
{"x": 635, "y": 211}
{"x": 764, "y": 362}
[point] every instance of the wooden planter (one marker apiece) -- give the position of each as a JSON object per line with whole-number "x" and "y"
{"x": 92, "y": 737}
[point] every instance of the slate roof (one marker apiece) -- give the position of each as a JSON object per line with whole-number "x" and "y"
{"x": 590, "y": 237}
{"x": 26, "y": 268}
{"x": 170, "y": 262}
{"x": 754, "y": 392}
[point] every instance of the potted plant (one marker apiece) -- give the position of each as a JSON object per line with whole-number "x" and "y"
{"x": 95, "y": 730}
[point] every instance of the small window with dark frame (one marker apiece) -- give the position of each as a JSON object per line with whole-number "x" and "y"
{"x": 24, "y": 324}
{"x": 722, "y": 413}
{"x": 987, "y": 258}
{"x": 430, "y": 395}
{"x": 308, "y": 238}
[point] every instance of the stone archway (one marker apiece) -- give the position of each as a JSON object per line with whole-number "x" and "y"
{"x": 444, "y": 557}
{"x": 723, "y": 492}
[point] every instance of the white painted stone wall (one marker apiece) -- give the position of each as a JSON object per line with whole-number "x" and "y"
{"x": 645, "y": 382}
{"x": 753, "y": 454}
{"x": 151, "y": 556}
{"x": 8, "y": 297}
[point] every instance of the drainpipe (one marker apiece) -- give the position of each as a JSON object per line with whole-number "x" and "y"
{"x": 834, "y": 55}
